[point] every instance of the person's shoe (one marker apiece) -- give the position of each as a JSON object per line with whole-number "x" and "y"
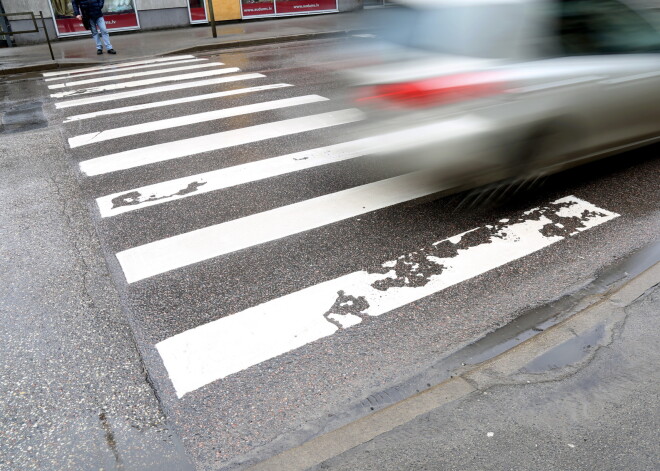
{"x": 100, "y": 51}
{"x": 112, "y": 51}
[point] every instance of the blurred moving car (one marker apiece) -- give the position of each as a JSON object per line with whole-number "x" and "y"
{"x": 509, "y": 88}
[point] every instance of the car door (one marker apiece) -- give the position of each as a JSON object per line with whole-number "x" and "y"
{"x": 623, "y": 51}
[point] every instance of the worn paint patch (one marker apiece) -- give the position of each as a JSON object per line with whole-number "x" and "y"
{"x": 114, "y": 204}
{"x": 135, "y": 197}
{"x": 228, "y": 345}
{"x": 347, "y": 310}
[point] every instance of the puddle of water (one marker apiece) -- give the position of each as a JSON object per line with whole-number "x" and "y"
{"x": 23, "y": 118}
{"x": 546, "y": 316}
{"x": 568, "y": 353}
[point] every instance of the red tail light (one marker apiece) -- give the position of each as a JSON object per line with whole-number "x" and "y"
{"x": 434, "y": 91}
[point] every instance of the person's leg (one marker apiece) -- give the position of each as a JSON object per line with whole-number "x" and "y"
{"x": 104, "y": 33}
{"x": 95, "y": 34}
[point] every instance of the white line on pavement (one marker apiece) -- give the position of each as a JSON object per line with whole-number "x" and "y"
{"x": 141, "y": 83}
{"x": 222, "y": 140}
{"x": 123, "y": 69}
{"x": 212, "y": 351}
{"x": 138, "y": 198}
{"x": 153, "y": 90}
{"x": 110, "y": 78}
{"x": 209, "y": 242}
{"x": 116, "y": 65}
{"x": 129, "y": 200}
{"x": 176, "y": 101}
{"x": 99, "y": 136}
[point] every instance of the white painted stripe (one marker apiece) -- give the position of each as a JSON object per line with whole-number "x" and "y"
{"x": 111, "y": 78}
{"x": 138, "y": 198}
{"x": 176, "y": 101}
{"x": 186, "y": 249}
{"x": 187, "y": 120}
{"x": 153, "y": 90}
{"x": 123, "y": 69}
{"x": 144, "y": 82}
{"x": 212, "y": 351}
{"x": 115, "y": 65}
{"x": 221, "y": 140}
{"x": 130, "y": 200}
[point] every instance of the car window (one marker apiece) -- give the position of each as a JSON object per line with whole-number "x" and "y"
{"x": 489, "y": 30}
{"x": 588, "y": 27}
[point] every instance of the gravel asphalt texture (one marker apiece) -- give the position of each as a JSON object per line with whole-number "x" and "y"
{"x": 72, "y": 384}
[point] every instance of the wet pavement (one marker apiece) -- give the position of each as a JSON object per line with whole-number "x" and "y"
{"x": 588, "y": 403}
{"x": 271, "y": 405}
{"x": 73, "y": 393}
{"x": 134, "y": 45}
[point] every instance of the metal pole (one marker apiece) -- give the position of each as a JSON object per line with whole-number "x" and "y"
{"x": 43, "y": 22}
{"x": 212, "y": 15}
{"x": 5, "y": 27}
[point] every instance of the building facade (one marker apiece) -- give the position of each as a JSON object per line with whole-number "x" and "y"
{"x": 137, "y": 15}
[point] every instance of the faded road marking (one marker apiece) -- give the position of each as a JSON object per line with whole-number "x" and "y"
{"x": 231, "y": 344}
{"x": 209, "y": 242}
{"x": 138, "y": 198}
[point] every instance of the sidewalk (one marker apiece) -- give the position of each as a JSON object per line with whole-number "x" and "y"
{"x": 80, "y": 52}
{"x": 582, "y": 394}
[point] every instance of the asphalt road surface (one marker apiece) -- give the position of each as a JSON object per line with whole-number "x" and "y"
{"x": 273, "y": 275}
{"x": 596, "y": 413}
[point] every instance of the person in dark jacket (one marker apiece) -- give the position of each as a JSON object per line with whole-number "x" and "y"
{"x": 93, "y": 11}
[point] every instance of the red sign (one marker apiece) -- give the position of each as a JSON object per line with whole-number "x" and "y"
{"x": 197, "y": 14}
{"x": 112, "y": 21}
{"x": 302, "y": 6}
{"x": 258, "y": 8}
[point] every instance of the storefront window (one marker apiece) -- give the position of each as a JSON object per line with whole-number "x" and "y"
{"x": 118, "y": 15}
{"x": 254, "y": 8}
{"x": 258, "y": 8}
{"x": 197, "y": 9}
{"x": 285, "y": 7}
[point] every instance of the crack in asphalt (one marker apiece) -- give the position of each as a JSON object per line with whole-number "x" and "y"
{"x": 110, "y": 439}
{"x": 69, "y": 223}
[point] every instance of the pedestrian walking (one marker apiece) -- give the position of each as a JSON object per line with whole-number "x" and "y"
{"x": 92, "y": 11}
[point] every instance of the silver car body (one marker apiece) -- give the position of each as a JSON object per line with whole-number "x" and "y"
{"x": 547, "y": 109}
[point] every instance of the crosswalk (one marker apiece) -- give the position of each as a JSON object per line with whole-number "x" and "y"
{"x": 124, "y": 119}
{"x": 116, "y": 133}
